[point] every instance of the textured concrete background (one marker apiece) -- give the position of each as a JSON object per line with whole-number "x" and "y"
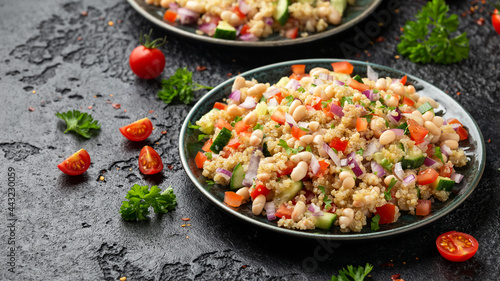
{"x": 68, "y": 228}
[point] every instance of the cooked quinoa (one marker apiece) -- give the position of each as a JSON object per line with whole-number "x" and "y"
{"x": 257, "y": 17}
{"x": 356, "y": 149}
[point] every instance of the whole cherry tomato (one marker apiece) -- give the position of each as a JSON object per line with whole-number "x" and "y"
{"x": 146, "y": 60}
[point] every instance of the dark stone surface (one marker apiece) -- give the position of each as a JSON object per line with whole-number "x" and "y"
{"x": 68, "y": 228}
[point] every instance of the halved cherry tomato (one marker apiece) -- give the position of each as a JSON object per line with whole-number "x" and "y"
{"x": 223, "y": 124}
{"x": 234, "y": 143}
{"x": 220, "y": 105}
{"x": 339, "y": 144}
{"x": 76, "y": 164}
{"x": 323, "y": 166}
{"x": 427, "y": 176}
{"x": 240, "y": 127}
{"x": 279, "y": 116}
{"x": 403, "y": 80}
{"x": 207, "y": 145}
{"x": 138, "y": 131}
{"x": 361, "y": 124}
{"x": 357, "y": 85}
{"x": 258, "y": 190}
{"x": 200, "y": 159}
{"x": 446, "y": 170}
{"x": 386, "y": 212}
{"x": 170, "y": 16}
{"x": 343, "y": 67}
{"x": 232, "y": 199}
{"x": 299, "y": 68}
{"x": 316, "y": 103}
{"x": 456, "y": 246}
{"x": 237, "y": 11}
{"x": 417, "y": 132}
{"x": 245, "y": 134}
{"x": 495, "y": 20}
{"x": 423, "y": 207}
{"x": 284, "y": 211}
{"x": 150, "y": 161}
{"x": 297, "y": 132}
{"x": 292, "y": 32}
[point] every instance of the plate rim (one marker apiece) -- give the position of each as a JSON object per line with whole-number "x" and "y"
{"x": 351, "y": 236}
{"x": 317, "y": 36}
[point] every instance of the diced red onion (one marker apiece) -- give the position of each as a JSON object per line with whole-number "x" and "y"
{"x": 249, "y": 103}
{"x": 252, "y": 169}
{"x": 409, "y": 179}
{"x": 173, "y": 7}
{"x": 395, "y": 115}
{"x": 290, "y": 120}
{"x": 293, "y": 85}
{"x": 394, "y": 81}
{"x": 235, "y": 95}
{"x": 325, "y": 76}
{"x": 446, "y": 150}
{"x": 271, "y": 92}
{"x": 337, "y": 82}
{"x": 353, "y": 164}
{"x": 303, "y": 124}
{"x": 272, "y": 102}
{"x": 343, "y": 162}
{"x": 398, "y": 132}
{"x": 372, "y": 96}
{"x": 316, "y": 210}
{"x": 371, "y": 74}
{"x": 318, "y": 82}
{"x": 456, "y": 177}
{"x": 429, "y": 162}
{"x": 244, "y": 7}
{"x": 249, "y": 37}
{"x": 332, "y": 154}
{"x": 373, "y": 147}
{"x": 270, "y": 211}
{"x": 398, "y": 170}
{"x": 455, "y": 126}
{"x": 187, "y": 16}
{"x": 268, "y": 20}
{"x": 376, "y": 168}
{"x": 225, "y": 173}
{"x": 337, "y": 110}
{"x": 314, "y": 165}
{"x": 208, "y": 28}
{"x": 423, "y": 145}
{"x": 311, "y": 89}
{"x": 362, "y": 107}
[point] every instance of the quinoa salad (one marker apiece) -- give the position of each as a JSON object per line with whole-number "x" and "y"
{"x": 324, "y": 149}
{"x": 249, "y": 20}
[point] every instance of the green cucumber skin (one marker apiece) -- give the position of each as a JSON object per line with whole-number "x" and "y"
{"x": 221, "y": 140}
{"x": 325, "y": 221}
{"x": 443, "y": 183}
{"x": 281, "y": 13}
{"x": 412, "y": 163}
{"x": 225, "y": 31}
{"x": 237, "y": 177}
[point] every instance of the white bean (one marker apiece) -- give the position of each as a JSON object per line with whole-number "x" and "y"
{"x": 314, "y": 125}
{"x": 239, "y": 82}
{"x": 381, "y": 84}
{"x": 344, "y": 174}
{"x": 438, "y": 120}
{"x": 263, "y": 177}
{"x": 388, "y": 179}
{"x": 428, "y": 116}
{"x": 251, "y": 118}
{"x": 307, "y": 139}
{"x": 234, "y": 110}
{"x": 258, "y": 204}
{"x": 244, "y": 192}
{"x": 387, "y": 137}
{"x": 318, "y": 139}
{"x": 433, "y": 129}
{"x": 301, "y": 156}
{"x": 348, "y": 183}
{"x": 300, "y": 171}
{"x": 299, "y": 113}
{"x": 298, "y": 211}
{"x": 257, "y": 90}
{"x": 293, "y": 106}
{"x": 452, "y": 144}
{"x": 449, "y": 136}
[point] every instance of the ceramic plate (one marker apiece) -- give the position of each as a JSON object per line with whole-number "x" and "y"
{"x": 352, "y": 16}
{"x": 473, "y": 146}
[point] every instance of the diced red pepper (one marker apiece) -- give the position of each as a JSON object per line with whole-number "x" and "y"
{"x": 299, "y": 68}
{"x": 170, "y": 16}
{"x": 220, "y": 105}
{"x": 343, "y": 67}
{"x": 423, "y": 207}
{"x": 357, "y": 85}
{"x": 427, "y": 176}
{"x": 417, "y": 132}
{"x": 279, "y": 116}
{"x": 387, "y": 213}
{"x": 361, "y": 124}
{"x": 207, "y": 145}
{"x": 200, "y": 159}
{"x": 232, "y": 199}
{"x": 223, "y": 124}
{"x": 258, "y": 190}
{"x": 234, "y": 143}
{"x": 403, "y": 80}
{"x": 297, "y": 132}
{"x": 323, "y": 166}
{"x": 240, "y": 127}
{"x": 339, "y": 144}
{"x": 284, "y": 211}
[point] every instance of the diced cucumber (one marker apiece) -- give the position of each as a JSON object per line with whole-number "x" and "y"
{"x": 424, "y": 107}
{"x": 283, "y": 81}
{"x": 413, "y": 159}
{"x": 261, "y": 109}
{"x": 281, "y": 13}
{"x": 378, "y": 156}
{"x": 221, "y": 140}
{"x": 206, "y": 126}
{"x": 265, "y": 150}
{"x": 325, "y": 221}
{"x": 288, "y": 193}
{"x": 443, "y": 183}
{"x": 340, "y": 76}
{"x": 237, "y": 177}
{"x": 339, "y": 5}
{"x": 349, "y": 170}
{"x": 225, "y": 31}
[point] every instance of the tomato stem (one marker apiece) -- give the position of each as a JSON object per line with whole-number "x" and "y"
{"x": 151, "y": 44}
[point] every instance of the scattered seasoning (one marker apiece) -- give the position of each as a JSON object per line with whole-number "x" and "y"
{"x": 480, "y": 21}
{"x": 458, "y": 93}
{"x": 116, "y": 105}
{"x": 380, "y": 39}
{"x": 110, "y": 95}
{"x": 79, "y": 38}
{"x": 396, "y": 11}
{"x": 401, "y": 29}
{"x": 188, "y": 224}
{"x": 84, "y": 13}
{"x": 187, "y": 237}
{"x": 170, "y": 167}
{"x": 33, "y": 92}
{"x": 387, "y": 264}
{"x": 89, "y": 107}
{"x": 151, "y": 111}
{"x": 416, "y": 258}
{"x": 124, "y": 110}
{"x": 489, "y": 140}
{"x": 185, "y": 219}
{"x": 163, "y": 132}
{"x": 380, "y": 24}
{"x": 229, "y": 74}
{"x": 397, "y": 57}
{"x": 183, "y": 225}
{"x": 101, "y": 178}
{"x": 395, "y": 277}
{"x": 31, "y": 108}
{"x": 108, "y": 101}
{"x": 404, "y": 262}
{"x": 201, "y": 68}
{"x": 120, "y": 21}
{"x": 243, "y": 266}
{"x": 123, "y": 278}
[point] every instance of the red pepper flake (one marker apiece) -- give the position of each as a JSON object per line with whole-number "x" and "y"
{"x": 480, "y": 21}
{"x": 464, "y": 14}
{"x": 201, "y": 68}
{"x": 79, "y": 38}
{"x": 170, "y": 167}
{"x": 120, "y": 21}
{"x": 243, "y": 266}
{"x": 368, "y": 55}
{"x": 387, "y": 264}
{"x": 84, "y": 13}
{"x": 401, "y": 29}
{"x": 489, "y": 140}
{"x": 151, "y": 111}
{"x": 163, "y": 132}
{"x": 116, "y": 105}
{"x": 124, "y": 110}
{"x": 31, "y": 108}
{"x": 185, "y": 219}
{"x": 229, "y": 74}
{"x": 358, "y": 55}
{"x": 89, "y": 107}
{"x": 109, "y": 102}
{"x": 395, "y": 277}
{"x": 380, "y": 39}
{"x": 458, "y": 93}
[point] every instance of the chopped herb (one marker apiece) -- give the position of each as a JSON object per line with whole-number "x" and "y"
{"x": 180, "y": 85}
{"x": 358, "y": 78}
{"x": 375, "y": 91}
{"x": 201, "y": 137}
{"x": 208, "y": 155}
{"x": 418, "y": 192}
{"x": 191, "y": 126}
{"x": 277, "y": 126}
{"x": 289, "y": 100}
{"x": 262, "y": 99}
{"x": 360, "y": 151}
{"x": 368, "y": 117}
{"x": 301, "y": 90}
{"x": 386, "y": 123}
{"x": 308, "y": 148}
{"x": 404, "y": 126}
{"x": 332, "y": 126}
{"x": 313, "y": 85}
{"x": 304, "y": 129}
{"x": 387, "y": 193}
{"x": 258, "y": 127}
{"x": 357, "y": 274}
{"x": 386, "y": 164}
{"x": 381, "y": 100}
{"x": 334, "y": 150}
{"x": 80, "y": 123}
{"x": 424, "y": 107}
{"x": 343, "y": 100}
{"x": 439, "y": 155}
{"x": 300, "y": 148}
{"x": 327, "y": 201}
{"x": 324, "y": 104}
{"x": 402, "y": 146}
{"x": 362, "y": 103}
{"x": 283, "y": 144}
{"x": 322, "y": 188}
{"x": 140, "y": 198}
{"x": 374, "y": 223}
{"x": 238, "y": 119}
{"x": 210, "y": 182}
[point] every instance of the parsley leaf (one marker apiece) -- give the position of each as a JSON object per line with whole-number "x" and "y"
{"x": 191, "y": 126}
{"x": 201, "y": 137}
{"x": 358, "y": 78}
{"x": 374, "y": 223}
{"x": 289, "y": 99}
{"x": 258, "y": 127}
{"x": 343, "y": 100}
{"x": 288, "y": 149}
{"x": 80, "y": 123}
{"x": 437, "y": 152}
{"x": 140, "y": 198}
{"x": 357, "y": 274}
{"x": 387, "y": 193}
{"x": 422, "y": 45}
{"x": 180, "y": 85}
{"x": 326, "y": 200}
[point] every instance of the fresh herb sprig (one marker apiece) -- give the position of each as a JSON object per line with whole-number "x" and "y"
{"x": 81, "y": 123}
{"x": 422, "y": 45}
{"x": 354, "y": 274}
{"x": 140, "y": 198}
{"x": 180, "y": 85}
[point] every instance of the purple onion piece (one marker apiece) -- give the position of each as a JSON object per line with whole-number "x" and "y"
{"x": 225, "y": 173}
{"x": 376, "y": 168}
{"x": 332, "y": 154}
{"x": 187, "y": 16}
{"x": 252, "y": 169}
{"x": 337, "y": 110}
{"x": 208, "y": 28}
{"x": 293, "y": 85}
{"x": 316, "y": 210}
{"x": 249, "y": 37}
{"x": 270, "y": 211}
{"x": 314, "y": 165}
{"x": 271, "y": 92}
{"x": 235, "y": 95}
{"x": 373, "y": 147}
{"x": 446, "y": 150}
{"x": 409, "y": 179}
{"x": 456, "y": 177}
{"x": 337, "y": 82}
{"x": 290, "y": 120}
{"x": 249, "y": 103}
{"x": 343, "y": 162}
{"x": 354, "y": 165}
{"x": 398, "y": 170}
{"x": 268, "y": 20}
{"x": 173, "y": 7}
{"x": 371, "y": 74}
{"x": 395, "y": 115}
{"x": 244, "y": 7}
{"x": 429, "y": 162}
{"x": 323, "y": 76}
{"x": 272, "y": 102}
{"x": 397, "y": 132}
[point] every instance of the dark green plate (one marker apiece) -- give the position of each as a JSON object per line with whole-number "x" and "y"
{"x": 474, "y": 149}
{"x": 352, "y": 16}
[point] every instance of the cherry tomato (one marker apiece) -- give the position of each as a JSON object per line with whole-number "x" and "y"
{"x": 456, "y": 246}
{"x": 138, "y": 131}
{"x": 495, "y": 20}
{"x": 146, "y": 60}
{"x": 76, "y": 164}
{"x": 149, "y": 161}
